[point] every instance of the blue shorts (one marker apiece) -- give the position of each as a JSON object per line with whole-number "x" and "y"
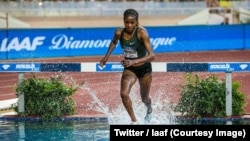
{"x": 142, "y": 70}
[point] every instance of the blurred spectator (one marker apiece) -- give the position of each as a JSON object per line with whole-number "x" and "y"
{"x": 215, "y": 17}
{"x": 226, "y": 21}
{"x": 212, "y": 3}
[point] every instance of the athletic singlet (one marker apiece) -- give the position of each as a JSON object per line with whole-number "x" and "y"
{"x": 132, "y": 48}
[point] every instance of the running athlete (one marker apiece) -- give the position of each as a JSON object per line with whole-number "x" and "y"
{"x": 138, "y": 54}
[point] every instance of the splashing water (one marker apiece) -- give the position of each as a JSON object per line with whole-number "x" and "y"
{"x": 101, "y": 107}
{"x": 162, "y": 114}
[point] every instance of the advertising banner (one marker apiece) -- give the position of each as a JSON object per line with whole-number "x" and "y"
{"x": 20, "y": 67}
{"x": 71, "y": 42}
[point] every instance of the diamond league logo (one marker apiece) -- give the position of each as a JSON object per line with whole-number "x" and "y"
{"x": 101, "y": 68}
{"x": 243, "y": 66}
{"x": 5, "y": 67}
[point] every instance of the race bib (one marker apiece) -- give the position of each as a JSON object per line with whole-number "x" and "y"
{"x": 130, "y": 53}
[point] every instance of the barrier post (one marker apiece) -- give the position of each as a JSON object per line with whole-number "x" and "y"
{"x": 229, "y": 92}
{"x": 20, "y": 95}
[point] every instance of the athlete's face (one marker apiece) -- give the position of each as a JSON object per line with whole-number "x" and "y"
{"x": 130, "y": 23}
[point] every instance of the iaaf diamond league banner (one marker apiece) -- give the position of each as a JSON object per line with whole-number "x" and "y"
{"x": 68, "y": 42}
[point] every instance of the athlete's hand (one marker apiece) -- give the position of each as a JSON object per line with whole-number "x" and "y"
{"x": 103, "y": 61}
{"x": 127, "y": 63}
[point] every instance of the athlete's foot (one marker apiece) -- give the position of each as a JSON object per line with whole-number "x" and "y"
{"x": 134, "y": 123}
{"x": 148, "y": 116}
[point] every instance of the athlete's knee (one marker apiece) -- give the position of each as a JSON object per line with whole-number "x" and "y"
{"x": 124, "y": 95}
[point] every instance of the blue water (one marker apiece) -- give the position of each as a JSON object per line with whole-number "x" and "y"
{"x": 54, "y": 131}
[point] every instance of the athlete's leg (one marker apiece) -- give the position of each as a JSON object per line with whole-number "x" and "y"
{"x": 145, "y": 84}
{"x": 127, "y": 81}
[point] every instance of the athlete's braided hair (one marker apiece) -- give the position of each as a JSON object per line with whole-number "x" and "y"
{"x": 131, "y": 12}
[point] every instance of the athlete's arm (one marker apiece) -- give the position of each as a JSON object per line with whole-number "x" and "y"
{"x": 112, "y": 45}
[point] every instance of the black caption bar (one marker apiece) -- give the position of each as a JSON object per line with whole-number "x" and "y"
{"x": 163, "y": 132}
